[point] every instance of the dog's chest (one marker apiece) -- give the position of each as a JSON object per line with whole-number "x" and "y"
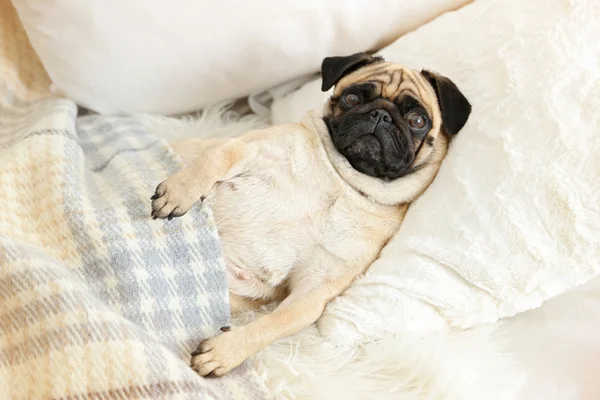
{"x": 287, "y": 206}
{"x": 267, "y": 217}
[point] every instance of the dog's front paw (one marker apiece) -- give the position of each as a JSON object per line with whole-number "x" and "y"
{"x": 173, "y": 199}
{"x": 217, "y": 356}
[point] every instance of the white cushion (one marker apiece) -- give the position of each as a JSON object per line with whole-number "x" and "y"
{"x": 177, "y": 56}
{"x": 513, "y": 217}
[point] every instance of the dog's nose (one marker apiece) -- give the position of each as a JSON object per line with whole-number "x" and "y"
{"x": 378, "y": 114}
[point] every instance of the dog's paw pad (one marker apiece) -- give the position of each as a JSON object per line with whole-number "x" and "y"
{"x": 219, "y": 355}
{"x": 171, "y": 200}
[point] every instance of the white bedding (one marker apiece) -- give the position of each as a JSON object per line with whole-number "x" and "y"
{"x": 557, "y": 346}
{"x": 171, "y": 57}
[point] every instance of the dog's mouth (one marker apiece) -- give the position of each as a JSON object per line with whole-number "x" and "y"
{"x": 376, "y": 148}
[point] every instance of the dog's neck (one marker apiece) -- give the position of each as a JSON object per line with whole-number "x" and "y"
{"x": 390, "y": 193}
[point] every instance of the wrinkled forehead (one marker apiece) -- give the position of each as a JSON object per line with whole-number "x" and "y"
{"x": 392, "y": 81}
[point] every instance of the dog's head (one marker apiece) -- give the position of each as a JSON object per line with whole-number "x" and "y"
{"x": 387, "y": 120}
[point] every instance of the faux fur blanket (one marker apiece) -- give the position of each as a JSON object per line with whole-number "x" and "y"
{"x": 97, "y": 300}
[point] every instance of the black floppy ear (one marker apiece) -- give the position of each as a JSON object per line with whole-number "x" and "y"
{"x": 454, "y": 105}
{"x": 335, "y": 68}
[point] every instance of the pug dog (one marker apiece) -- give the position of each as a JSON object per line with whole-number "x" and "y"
{"x": 303, "y": 209}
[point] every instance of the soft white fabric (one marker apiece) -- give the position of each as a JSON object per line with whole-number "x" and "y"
{"x": 556, "y": 345}
{"x": 177, "y": 56}
{"x": 513, "y": 217}
{"x": 550, "y": 353}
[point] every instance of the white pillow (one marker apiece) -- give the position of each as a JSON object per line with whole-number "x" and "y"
{"x": 513, "y": 217}
{"x": 176, "y": 56}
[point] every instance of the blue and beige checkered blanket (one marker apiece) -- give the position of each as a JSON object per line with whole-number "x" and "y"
{"x": 97, "y": 300}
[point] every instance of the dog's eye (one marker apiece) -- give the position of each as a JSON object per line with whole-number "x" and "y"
{"x": 416, "y": 120}
{"x": 352, "y": 99}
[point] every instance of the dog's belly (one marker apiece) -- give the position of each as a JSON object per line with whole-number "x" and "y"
{"x": 265, "y": 222}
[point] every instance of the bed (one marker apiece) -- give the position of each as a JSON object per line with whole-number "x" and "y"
{"x": 96, "y": 301}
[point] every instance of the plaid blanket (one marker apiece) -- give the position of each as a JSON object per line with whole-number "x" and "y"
{"x": 97, "y": 300}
